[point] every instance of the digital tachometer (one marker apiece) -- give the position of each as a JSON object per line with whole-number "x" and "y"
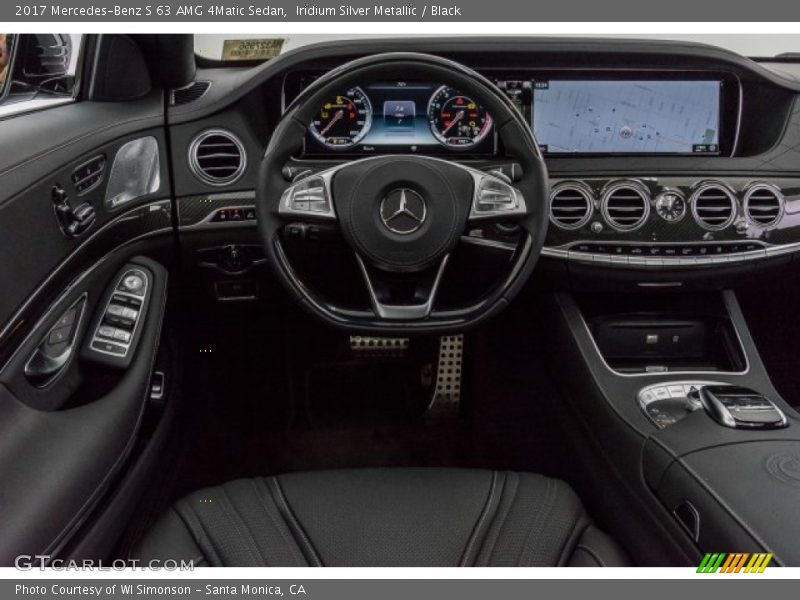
{"x": 343, "y": 122}
{"x": 456, "y": 120}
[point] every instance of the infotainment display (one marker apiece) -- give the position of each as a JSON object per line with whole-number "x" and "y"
{"x": 626, "y": 116}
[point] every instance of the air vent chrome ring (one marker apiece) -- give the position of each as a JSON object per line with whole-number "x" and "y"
{"x": 581, "y": 192}
{"x": 748, "y": 205}
{"x": 726, "y": 201}
{"x": 202, "y": 172}
{"x": 629, "y": 192}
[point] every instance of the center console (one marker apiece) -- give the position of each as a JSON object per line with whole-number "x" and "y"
{"x": 676, "y": 398}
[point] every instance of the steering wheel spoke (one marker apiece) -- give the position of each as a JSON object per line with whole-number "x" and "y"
{"x": 403, "y": 298}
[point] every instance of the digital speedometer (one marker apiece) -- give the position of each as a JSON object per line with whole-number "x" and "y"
{"x": 456, "y": 120}
{"x": 343, "y": 121}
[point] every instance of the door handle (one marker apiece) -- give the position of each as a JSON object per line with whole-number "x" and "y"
{"x": 57, "y": 347}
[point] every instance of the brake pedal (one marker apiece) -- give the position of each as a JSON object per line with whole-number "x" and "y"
{"x": 382, "y": 347}
{"x": 447, "y": 393}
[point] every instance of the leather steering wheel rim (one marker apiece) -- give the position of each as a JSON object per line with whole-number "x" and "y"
{"x": 520, "y": 147}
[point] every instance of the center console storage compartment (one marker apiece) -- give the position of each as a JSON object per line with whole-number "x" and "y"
{"x": 663, "y": 333}
{"x": 739, "y": 497}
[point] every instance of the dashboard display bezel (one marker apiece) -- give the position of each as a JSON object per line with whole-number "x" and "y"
{"x": 731, "y": 105}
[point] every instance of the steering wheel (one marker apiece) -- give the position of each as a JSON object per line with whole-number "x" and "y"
{"x": 404, "y": 215}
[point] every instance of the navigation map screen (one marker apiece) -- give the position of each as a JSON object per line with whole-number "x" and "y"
{"x": 627, "y": 117}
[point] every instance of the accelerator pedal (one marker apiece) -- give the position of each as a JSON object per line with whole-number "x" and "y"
{"x": 447, "y": 392}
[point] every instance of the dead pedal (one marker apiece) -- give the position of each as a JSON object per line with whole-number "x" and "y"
{"x": 383, "y": 347}
{"x": 447, "y": 393}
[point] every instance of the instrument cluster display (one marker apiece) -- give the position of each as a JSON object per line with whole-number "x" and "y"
{"x": 403, "y": 117}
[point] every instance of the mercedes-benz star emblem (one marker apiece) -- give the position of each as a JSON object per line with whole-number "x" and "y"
{"x": 403, "y": 211}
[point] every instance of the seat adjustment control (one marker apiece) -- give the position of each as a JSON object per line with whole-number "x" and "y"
{"x": 73, "y": 221}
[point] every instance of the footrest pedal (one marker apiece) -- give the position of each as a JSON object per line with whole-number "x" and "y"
{"x": 364, "y": 345}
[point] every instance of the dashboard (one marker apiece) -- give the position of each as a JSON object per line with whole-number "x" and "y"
{"x": 668, "y": 162}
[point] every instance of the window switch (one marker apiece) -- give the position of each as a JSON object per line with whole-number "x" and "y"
{"x": 115, "y": 310}
{"x": 122, "y": 336}
{"x": 106, "y": 331}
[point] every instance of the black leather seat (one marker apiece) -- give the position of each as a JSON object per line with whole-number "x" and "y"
{"x": 383, "y": 517}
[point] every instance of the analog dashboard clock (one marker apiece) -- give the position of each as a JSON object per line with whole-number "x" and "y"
{"x": 670, "y": 206}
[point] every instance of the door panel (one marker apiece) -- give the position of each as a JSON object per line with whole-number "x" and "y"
{"x": 66, "y": 440}
{"x": 33, "y": 244}
{"x": 55, "y": 465}
{"x": 42, "y": 142}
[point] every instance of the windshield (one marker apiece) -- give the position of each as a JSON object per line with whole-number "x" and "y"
{"x": 245, "y": 47}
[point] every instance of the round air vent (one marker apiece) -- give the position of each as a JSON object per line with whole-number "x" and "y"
{"x": 626, "y": 206}
{"x": 217, "y": 157}
{"x": 570, "y": 205}
{"x": 763, "y": 204}
{"x": 713, "y": 206}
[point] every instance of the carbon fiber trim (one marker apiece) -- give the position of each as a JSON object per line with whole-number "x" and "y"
{"x": 194, "y": 210}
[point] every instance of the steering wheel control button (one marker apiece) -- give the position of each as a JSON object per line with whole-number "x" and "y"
{"x": 494, "y": 197}
{"x": 308, "y": 198}
{"x": 403, "y": 211}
